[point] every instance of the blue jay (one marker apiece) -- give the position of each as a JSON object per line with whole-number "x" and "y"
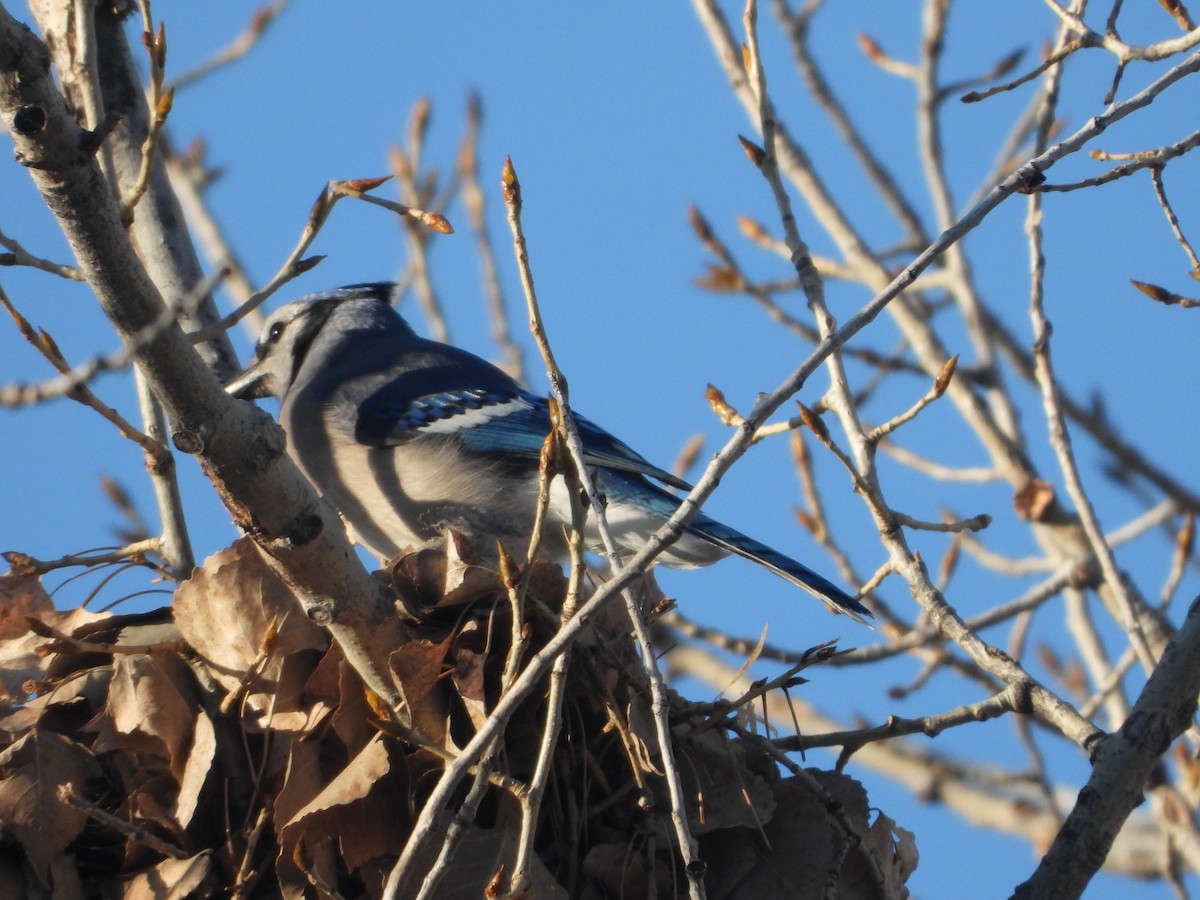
{"x": 407, "y": 437}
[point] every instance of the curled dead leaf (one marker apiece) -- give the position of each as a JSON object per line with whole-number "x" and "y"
{"x": 1034, "y": 499}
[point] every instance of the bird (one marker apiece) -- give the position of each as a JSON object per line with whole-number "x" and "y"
{"x": 408, "y": 437}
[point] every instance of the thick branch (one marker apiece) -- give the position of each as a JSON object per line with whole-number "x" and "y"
{"x": 1121, "y": 767}
{"x": 241, "y": 450}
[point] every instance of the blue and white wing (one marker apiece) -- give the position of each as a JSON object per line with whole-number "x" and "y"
{"x": 495, "y": 422}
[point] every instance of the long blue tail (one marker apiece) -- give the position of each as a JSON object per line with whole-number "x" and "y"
{"x": 797, "y": 573}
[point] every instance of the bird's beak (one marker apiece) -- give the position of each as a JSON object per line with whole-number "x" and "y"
{"x": 250, "y": 384}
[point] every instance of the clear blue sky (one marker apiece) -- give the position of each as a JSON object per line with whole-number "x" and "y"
{"x": 617, "y": 117}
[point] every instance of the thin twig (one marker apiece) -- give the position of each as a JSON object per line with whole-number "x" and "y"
{"x": 19, "y": 256}
{"x": 15, "y": 395}
{"x": 473, "y": 199}
{"x": 235, "y": 49}
{"x": 660, "y": 706}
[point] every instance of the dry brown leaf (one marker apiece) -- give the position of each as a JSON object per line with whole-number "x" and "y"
{"x": 21, "y": 662}
{"x": 226, "y": 611}
{"x": 30, "y": 808}
{"x": 173, "y": 879}
{"x": 360, "y": 806}
{"x": 480, "y": 855}
{"x": 726, "y": 793}
{"x": 1034, "y": 499}
{"x": 302, "y": 780}
{"x": 337, "y": 790}
{"x": 895, "y": 849}
{"x": 470, "y": 658}
{"x": 150, "y": 708}
{"x": 150, "y": 802}
{"x": 353, "y": 720}
{"x": 445, "y": 579}
{"x": 21, "y": 596}
{"x": 640, "y": 720}
{"x": 417, "y": 669}
{"x": 196, "y": 770}
{"x": 739, "y": 867}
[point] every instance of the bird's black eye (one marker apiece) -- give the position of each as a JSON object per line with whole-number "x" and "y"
{"x": 274, "y": 333}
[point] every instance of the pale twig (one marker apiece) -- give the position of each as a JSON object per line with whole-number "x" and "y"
{"x": 473, "y": 199}
{"x": 1024, "y": 727}
{"x": 358, "y": 188}
{"x": 189, "y": 180}
{"x": 1060, "y": 714}
{"x": 816, "y": 425}
{"x": 730, "y": 416}
{"x": 1152, "y": 518}
{"x": 406, "y": 166}
{"x": 1002, "y": 67}
{"x": 660, "y": 706}
{"x": 754, "y": 231}
{"x": 798, "y": 30}
{"x": 176, "y": 544}
{"x": 160, "y": 102}
{"x": 985, "y": 796}
{"x": 1060, "y": 440}
{"x": 19, "y": 256}
{"x": 930, "y": 96}
{"x": 1110, "y": 685}
{"x": 518, "y": 586}
{"x": 136, "y": 552}
{"x": 679, "y": 622}
{"x": 15, "y": 395}
{"x": 1146, "y": 159}
{"x": 1094, "y": 654}
{"x": 243, "y": 881}
{"x": 1079, "y": 620}
{"x": 531, "y": 802}
{"x": 1165, "y": 297}
{"x": 940, "y": 383}
{"x": 1015, "y": 466}
{"x": 975, "y": 523}
{"x": 925, "y": 635}
{"x": 296, "y": 265}
{"x": 1011, "y": 152}
{"x": 728, "y": 276}
{"x": 873, "y": 51}
{"x": 720, "y": 712}
{"x": 1006, "y": 565}
{"x": 976, "y": 475}
{"x": 235, "y": 49}
{"x": 1092, "y": 419}
{"x": 1047, "y": 63}
{"x": 427, "y": 823}
{"x": 1160, "y": 191}
{"x": 463, "y": 819}
{"x": 1185, "y": 542}
{"x": 1007, "y": 701}
{"x": 124, "y": 141}
{"x": 1124, "y": 52}
{"x": 156, "y": 452}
